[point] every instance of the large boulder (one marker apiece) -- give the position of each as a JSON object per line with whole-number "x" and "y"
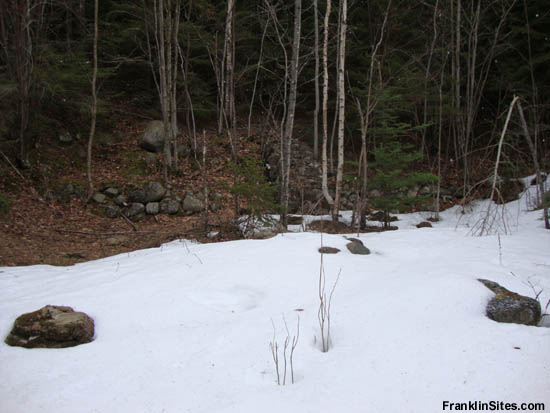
{"x": 509, "y": 307}
{"x": 152, "y": 139}
{"x": 51, "y": 327}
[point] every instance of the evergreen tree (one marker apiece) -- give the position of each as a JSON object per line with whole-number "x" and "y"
{"x": 393, "y": 176}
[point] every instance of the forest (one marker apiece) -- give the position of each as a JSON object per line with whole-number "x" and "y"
{"x": 386, "y": 95}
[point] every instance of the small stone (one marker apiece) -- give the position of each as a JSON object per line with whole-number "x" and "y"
{"x": 424, "y": 224}
{"x": 134, "y": 209}
{"x": 169, "y": 206}
{"x": 191, "y": 204}
{"x": 65, "y": 138}
{"x": 152, "y": 208}
{"x": 112, "y": 211}
{"x": 99, "y": 198}
{"x": 329, "y": 250}
{"x": 120, "y": 200}
{"x": 137, "y": 195}
{"x": 76, "y": 255}
{"x": 116, "y": 240}
{"x": 111, "y": 192}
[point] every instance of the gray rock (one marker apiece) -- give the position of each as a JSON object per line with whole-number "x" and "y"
{"x": 425, "y": 190}
{"x": 111, "y": 192}
{"x": 509, "y": 307}
{"x": 191, "y": 204}
{"x": 152, "y": 139}
{"x": 294, "y": 220}
{"x": 137, "y": 195}
{"x": 329, "y": 250}
{"x": 51, "y": 327}
{"x": 169, "y": 206}
{"x": 153, "y": 192}
{"x": 375, "y": 193}
{"x": 120, "y": 200}
{"x": 116, "y": 240}
{"x": 356, "y": 247}
{"x": 424, "y": 224}
{"x": 99, "y": 198}
{"x": 152, "y": 208}
{"x": 112, "y": 211}
{"x": 134, "y": 209}
{"x": 65, "y": 138}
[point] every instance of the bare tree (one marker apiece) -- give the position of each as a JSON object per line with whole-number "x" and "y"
{"x": 540, "y": 180}
{"x": 324, "y": 166}
{"x": 94, "y": 103}
{"x": 341, "y": 107}
{"x": 364, "y": 117}
{"x": 258, "y": 67}
{"x": 286, "y": 142}
{"x": 227, "y": 115}
{"x": 316, "y": 110}
{"x": 21, "y": 23}
{"x": 166, "y": 28}
{"x": 469, "y": 87}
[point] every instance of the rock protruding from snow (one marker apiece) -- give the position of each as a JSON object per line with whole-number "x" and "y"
{"x": 51, "y": 327}
{"x": 356, "y": 247}
{"x": 424, "y": 224}
{"x": 329, "y": 250}
{"x": 509, "y": 307}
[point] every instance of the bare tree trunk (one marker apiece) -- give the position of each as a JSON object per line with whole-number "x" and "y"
{"x": 341, "y": 108}
{"x": 21, "y": 31}
{"x": 227, "y": 84}
{"x": 316, "y": 110}
{"x": 204, "y": 184}
{"x": 540, "y": 181}
{"x": 258, "y": 67}
{"x": 286, "y": 152}
{"x": 439, "y": 133}
{"x": 94, "y": 103}
{"x": 167, "y": 14}
{"x": 488, "y": 220}
{"x": 324, "y": 182}
{"x": 427, "y": 74}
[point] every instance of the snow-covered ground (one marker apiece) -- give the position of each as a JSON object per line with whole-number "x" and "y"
{"x": 186, "y": 327}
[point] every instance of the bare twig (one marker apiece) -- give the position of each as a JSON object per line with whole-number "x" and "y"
{"x": 13, "y": 166}
{"x": 275, "y": 353}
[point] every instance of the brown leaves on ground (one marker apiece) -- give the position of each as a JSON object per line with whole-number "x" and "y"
{"x": 40, "y": 231}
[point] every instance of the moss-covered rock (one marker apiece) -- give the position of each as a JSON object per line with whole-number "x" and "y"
{"x": 509, "y": 307}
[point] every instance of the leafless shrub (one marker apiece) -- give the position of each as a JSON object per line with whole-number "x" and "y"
{"x": 287, "y": 353}
{"x": 323, "y": 314}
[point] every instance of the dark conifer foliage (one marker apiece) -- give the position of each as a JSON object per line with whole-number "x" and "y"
{"x": 45, "y": 70}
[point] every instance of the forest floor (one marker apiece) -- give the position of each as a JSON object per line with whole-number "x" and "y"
{"x": 38, "y": 230}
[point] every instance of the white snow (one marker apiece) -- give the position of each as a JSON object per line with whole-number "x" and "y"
{"x": 186, "y": 327}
